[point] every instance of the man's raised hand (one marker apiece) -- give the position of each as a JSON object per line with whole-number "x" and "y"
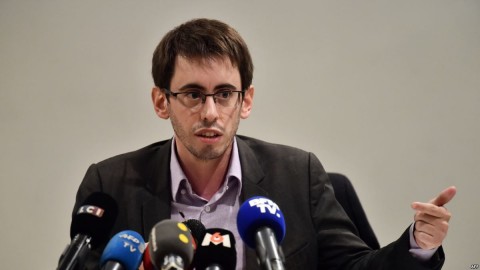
{"x": 431, "y": 219}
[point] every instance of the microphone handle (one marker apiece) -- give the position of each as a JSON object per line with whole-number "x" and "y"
{"x": 75, "y": 252}
{"x": 269, "y": 253}
{"x": 113, "y": 265}
{"x": 172, "y": 262}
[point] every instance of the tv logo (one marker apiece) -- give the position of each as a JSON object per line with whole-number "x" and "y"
{"x": 136, "y": 243}
{"x": 129, "y": 237}
{"x": 132, "y": 248}
{"x": 265, "y": 204}
{"x": 217, "y": 239}
{"x": 92, "y": 210}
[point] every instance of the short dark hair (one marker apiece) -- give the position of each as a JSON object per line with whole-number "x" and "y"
{"x": 201, "y": 39}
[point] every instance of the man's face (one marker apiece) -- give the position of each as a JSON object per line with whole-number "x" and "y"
{"x": 207, "y": 133}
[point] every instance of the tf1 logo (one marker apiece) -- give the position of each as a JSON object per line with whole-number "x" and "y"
{"x": 265, "y": 204}
{"x": 92, "y": 210}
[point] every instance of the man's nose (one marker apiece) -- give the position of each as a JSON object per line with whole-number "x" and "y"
{"x": 209, "y": 110}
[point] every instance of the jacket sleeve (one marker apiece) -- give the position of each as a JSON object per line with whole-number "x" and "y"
{"x": 338, "y": 245}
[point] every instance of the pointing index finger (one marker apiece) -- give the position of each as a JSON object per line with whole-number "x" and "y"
{"x": 444, "y": 197}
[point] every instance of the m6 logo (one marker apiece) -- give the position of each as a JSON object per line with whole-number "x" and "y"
{"x": 216, "y": 239}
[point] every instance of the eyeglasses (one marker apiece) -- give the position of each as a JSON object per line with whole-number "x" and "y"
{"x": 224, "y": 99}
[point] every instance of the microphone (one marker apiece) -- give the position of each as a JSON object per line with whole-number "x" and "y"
{"x": 197, "y": 229}
{"x": 216, "y": 251}
{"x": 262, "y": 226}
{"x": 90, "y": 227}
{"x": 123, "y": 252}
{"x": 171, "y": 245}
{"x": 147, "y": 260}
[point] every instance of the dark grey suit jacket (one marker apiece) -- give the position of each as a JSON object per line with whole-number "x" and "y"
{"x": 319, "y": 233}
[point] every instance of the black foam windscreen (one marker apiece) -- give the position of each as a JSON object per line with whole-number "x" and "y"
{"x": 216, "y": 249}
{"x": 196, "y": 228}
{"x": 95, "y": 217}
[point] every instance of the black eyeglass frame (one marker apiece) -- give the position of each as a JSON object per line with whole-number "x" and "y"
{"x": 203, "y": 95}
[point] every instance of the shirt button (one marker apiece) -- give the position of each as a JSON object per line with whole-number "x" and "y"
{"x": 183, "y": 192}
{"x": 207, "y": 209}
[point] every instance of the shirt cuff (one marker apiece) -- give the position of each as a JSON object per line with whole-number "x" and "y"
{"x": 416, "y": 251}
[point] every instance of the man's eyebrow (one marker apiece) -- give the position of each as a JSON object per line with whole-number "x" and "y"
{"x": 199, "y": 87}
{"x": 225, "y": 86}
{"x": 190, "y": 86}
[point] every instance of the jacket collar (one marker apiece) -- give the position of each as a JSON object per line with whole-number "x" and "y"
{"x": 157, "y": 206}
{"x": 252, "y": 177}
{"x": 252, "y": 173}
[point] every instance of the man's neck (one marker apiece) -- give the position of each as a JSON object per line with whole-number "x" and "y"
{"x": 205, "y": 176}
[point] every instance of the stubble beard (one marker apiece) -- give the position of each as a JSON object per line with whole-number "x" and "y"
{"x": 209, "y": 152}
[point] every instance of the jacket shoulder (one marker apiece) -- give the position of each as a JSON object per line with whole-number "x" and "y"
{"x": 272, "y": 150}
{"x": 141, "y": 154}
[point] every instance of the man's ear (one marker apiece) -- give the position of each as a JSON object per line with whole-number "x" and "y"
{"x": 247, "y": 102}
{"x": 160, "y": 103}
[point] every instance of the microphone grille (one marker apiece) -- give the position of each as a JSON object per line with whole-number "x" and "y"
{"x": 217, "y": 248}
{"x": 259, "y": 212}
{"x": 95, "y": 217}
{"x": 196, "y": 228}
{"x": 170, "y": 237}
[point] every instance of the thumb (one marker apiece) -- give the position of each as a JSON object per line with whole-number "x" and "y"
{"x": 445, "y": 196}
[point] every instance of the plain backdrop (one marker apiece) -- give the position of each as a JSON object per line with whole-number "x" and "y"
{"x": 385, "y": 92}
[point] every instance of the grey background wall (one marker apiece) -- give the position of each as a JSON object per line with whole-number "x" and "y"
{"x": 386, "y": 92}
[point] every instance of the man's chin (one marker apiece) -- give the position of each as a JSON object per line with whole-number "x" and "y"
{"x": 208, "y": 154}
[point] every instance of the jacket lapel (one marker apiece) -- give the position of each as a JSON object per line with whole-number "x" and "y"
{"x": 157, "y": 206}
{"x": 252, "y": 173}
{"x": 252, "y": 177}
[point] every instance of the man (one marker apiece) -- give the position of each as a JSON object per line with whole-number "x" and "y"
{"x": 202, "y": 72}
